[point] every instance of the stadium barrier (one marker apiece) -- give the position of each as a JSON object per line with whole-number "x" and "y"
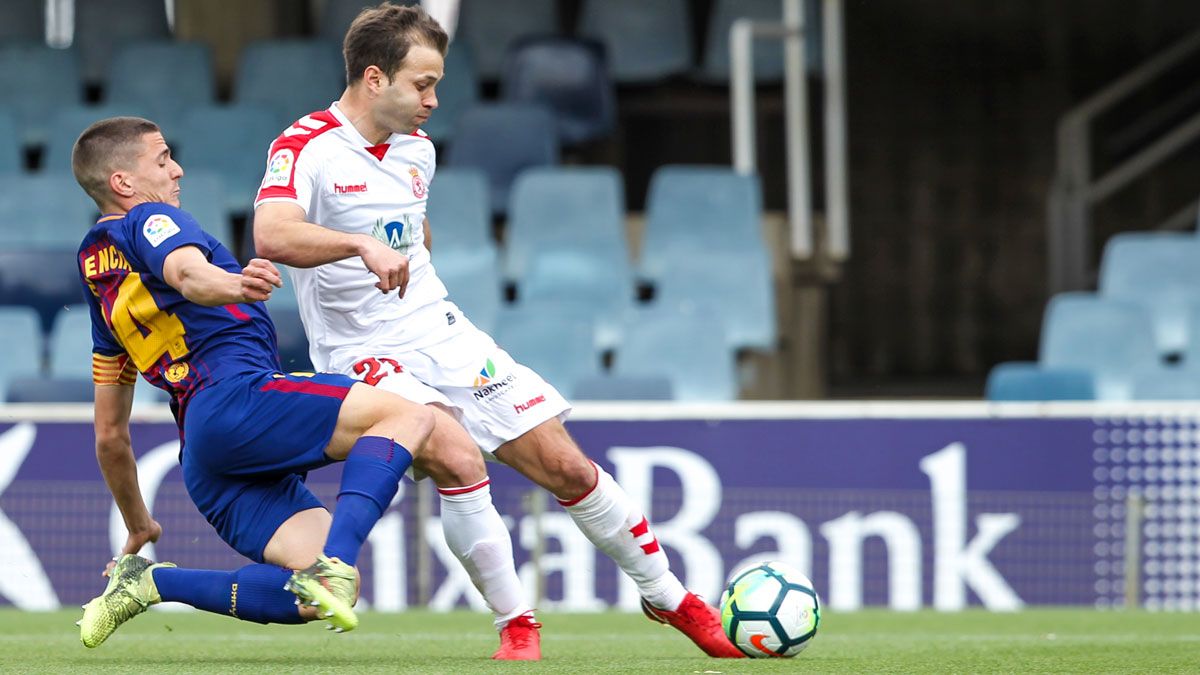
{"x": 906, "y": 505}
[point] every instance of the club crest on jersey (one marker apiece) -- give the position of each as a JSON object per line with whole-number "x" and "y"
{"x": 159, "y": 228}
{"x": 418, "y": 185}
{"x": 176, "y": 372}
{"x": 279, "y": 169}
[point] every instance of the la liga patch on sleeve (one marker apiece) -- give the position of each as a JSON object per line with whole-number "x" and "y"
{"x": 279, "y": 169}
{"x": 159, "y": 228}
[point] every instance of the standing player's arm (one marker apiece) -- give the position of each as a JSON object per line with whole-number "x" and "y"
{"x": 428, "y": 235}
{"x": 114, "y": 453}
{"x": 188, "y": 271}
{"x": 282, "y": 234}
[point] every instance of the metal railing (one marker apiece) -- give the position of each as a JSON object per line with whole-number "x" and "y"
{"x": 799, "y": 176}
{"x": 1076, "y": 191}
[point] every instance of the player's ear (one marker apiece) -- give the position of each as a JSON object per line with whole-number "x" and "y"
{"x": 120, "y": 184}
{"x": 374, "y": 79}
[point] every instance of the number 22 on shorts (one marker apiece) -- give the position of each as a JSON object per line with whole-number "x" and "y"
{"x": 373, "y": 370}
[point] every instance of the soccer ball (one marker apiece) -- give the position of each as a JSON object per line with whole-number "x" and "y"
{"x": 770, "y": 609}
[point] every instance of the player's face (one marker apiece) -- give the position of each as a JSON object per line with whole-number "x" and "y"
{"x": 156, "y": 175}
{"x": 407, "y": 101}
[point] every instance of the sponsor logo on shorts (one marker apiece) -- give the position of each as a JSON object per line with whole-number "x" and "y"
{"x": 176, "y": 372}
{"x": 487, "y": 384}
{"x": 522, "y": 407}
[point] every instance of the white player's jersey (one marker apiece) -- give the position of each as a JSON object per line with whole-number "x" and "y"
{"x": 343, "y": 182}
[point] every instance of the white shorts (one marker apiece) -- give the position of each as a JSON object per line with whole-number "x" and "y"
{"x": 495, "y": 398}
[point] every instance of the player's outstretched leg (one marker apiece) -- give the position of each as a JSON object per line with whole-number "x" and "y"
{"x": 130, "y": 592}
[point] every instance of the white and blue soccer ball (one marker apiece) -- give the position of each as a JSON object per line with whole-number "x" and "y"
{"x": 770, "y": 609}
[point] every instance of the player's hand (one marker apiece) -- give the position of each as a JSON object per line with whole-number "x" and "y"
{"x": 259, "y": 278}
{"x": 135, "y": 541}
{"x": 389, "y": 265}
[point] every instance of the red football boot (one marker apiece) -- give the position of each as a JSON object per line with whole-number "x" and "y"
{"x": 520, "y": 640}
{"x": 701, "y": 622}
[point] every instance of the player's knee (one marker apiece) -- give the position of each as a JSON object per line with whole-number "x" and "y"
{"x": 415, "y": 424}
{"x": 454, "y": 465}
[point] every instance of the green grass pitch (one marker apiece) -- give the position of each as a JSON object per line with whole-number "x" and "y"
{"x": 1056, "y": 640}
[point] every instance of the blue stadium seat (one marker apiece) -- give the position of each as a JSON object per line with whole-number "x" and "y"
{"x": 71, "y": 342}
{"x": 202, "y": 194}
{"x": 232, "y": 141}
{"x": 578, "y": 278}
{"x": 768, "y": 53}
{"x": 75, "y": 389}
{"x": 12, "y": 157}
{"x": 100, "y": 27}
{"x": 459, "y": 211}
{"x": 163, "y": 78}
{"x": 491, "y": 27}
{"x": 472, "y": 278}
{"x": 20, "y": 342}
{"x": 503, "y": 140}
{"x": 45, "y": 280}
{"x": 623, "y": 388}
{"x": 293, "y": 345}
{"x": 689, "y": 208}
{"x": 645, "y": 41}
{"x": 1112, "y": 339}
{"x": 24, "y": 21}
{"x": 290, "y": 77}
{"x": 688, "y": 349}
{"x": 567, "y": 208}
{"x": 570, "y": 77}
{"x": 1159, "y": 271}
{"x": 38, "y": 80}
{"x": 339, "y": 14}
{"x": 48, "y": 210}
{"x": 1023, "y": 381}
{"x": 740, "y": 290}
{"x": 560, "y": 349}
{"x": 69, "y": 122}
{"x": 457, "y": 92}
{"x": 1167, "y": 384}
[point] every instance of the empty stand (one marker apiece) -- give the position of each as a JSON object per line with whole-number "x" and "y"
{"x": 560, "y": 349}
{"x": 40, "y": 389}
{"x": 689, "y": 350}
{"x": 503, "y": 140}
{"x": 491, "y": 27}
{"x": 67, "y": 123}
{"x": 736, "y": 285}
{"x": 24, "y": 21}
{"x": 1110, "y": 338}
{"x": 457, "y": 92}
{"x": 1024, "y": 381}
{"x": 624, "y": 388}
{"x": 292, "y": 78}
{"x": 644, "y": 41}
{"x": 459, "y": 210}
{"x": 47, "y": 79}
{"x": 21, "y": 344}
{"x": 45, "y": 280}
{"x": 101, "y": 27}
{"x": 163, "y": 78}
{"x": 232, "y": 141}
{"x": 12, "y": 158}
{"x": 1159, "y": 271}
{"x": 71, "y": 342}
{"x": 570, "y": 77}
{"x": 472, "y": 278}
{"x": 44, "y": 211}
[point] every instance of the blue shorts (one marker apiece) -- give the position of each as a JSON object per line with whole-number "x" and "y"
{"x": 248, "y": 442}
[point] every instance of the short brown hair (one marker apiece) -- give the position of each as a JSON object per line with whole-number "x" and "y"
{"x": 104, "y": 147}
{"x": 381, "y": 36}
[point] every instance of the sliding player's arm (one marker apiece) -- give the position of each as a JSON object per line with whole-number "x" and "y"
{"x": 114, "y": 378}
{"x": 188, "y": 271}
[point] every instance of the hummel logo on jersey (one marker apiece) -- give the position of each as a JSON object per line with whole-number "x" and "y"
{"x": 349, "y": 189}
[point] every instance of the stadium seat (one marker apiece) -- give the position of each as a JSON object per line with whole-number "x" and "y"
{"x": 38, "y": 80}
{"x": 290, "y": 77}
{"x": 337, "y": 16}
{"x": 71, "y": 342}
{"x": 74, "y": 389}
{"x": 1159, "y": 271}
{"x": 645, "y": 41}
{"x": 202, "y": 194}
{"x": 623, "y": 388}
{"x": 572, "y": 277}
{"x": 491, "y": 27}
{"x": 100, "y": 27}
{"x": 503, "y": 140}
{"x": 12, "y": 157}
{"x": 69, "y": 122}
{"x": 687, "y": 349}
{"x": 163, "y": 78}
{"x": 45, "y": 280}
{"x": 1110, "y": 338}
{"x": 460, "y": 215}
{"x": 768, "y": 53}
{"x": 232, "y": 141}
{"x": 1023, "y": 381}
{"x": 566, "y": 208}
{"x": 293, "y": 345}
{"x": 20, "y": 342}
{"x": 567, "y": 76}
{"x": 694, "y": 209}
{"x": 1167, "y": 384}
{"x": 24, "y": 21}
{"x": 457, "y": 92}
{"x": 47, "y": 210}
{"x": 560, "y": 349}
{"x": 472, "y": 278}
{"x": 740, "y": 290}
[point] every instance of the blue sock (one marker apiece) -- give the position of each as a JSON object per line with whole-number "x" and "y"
{"x": 370, "y": 479}
{"x": 252, "y": 593}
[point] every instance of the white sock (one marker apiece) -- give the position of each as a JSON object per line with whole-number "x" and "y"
{"x": 480, "y": 541}
{"x": 610, "y": 520}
